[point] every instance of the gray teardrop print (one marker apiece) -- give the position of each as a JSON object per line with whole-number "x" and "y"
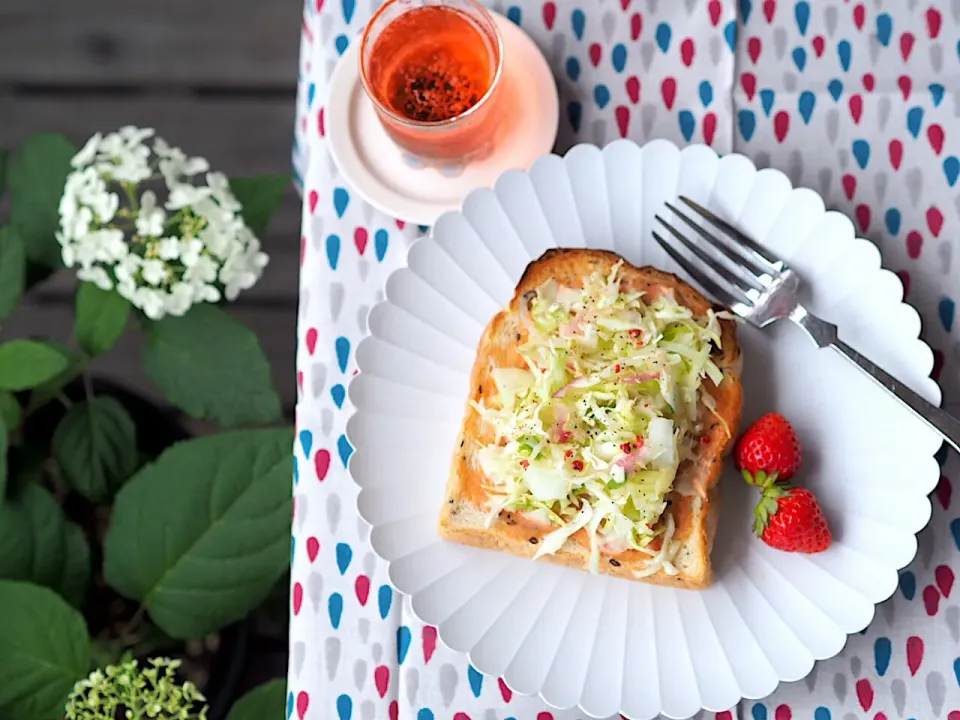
{"x": 363, "y": 530}
{"x": 912, "y": 4}
{"x": 648, "y": 114}
{"x": 558, "y": 47}
{"x": 368, "y": 212}
{"x": 376, "y": 652}
{"x": 328, "y": 68}
{"x": 830, "y": 19}
{"x": 833, "y": 124}
{"x": 873, "y": 48}
{"x": 880, "y": 185}
{"x": 762, "y": 160}
{"x": 325, "y": 27}
{"x": 716, "y": 50}
{"x": 795, "y": 168}
{"x": 599, "y": 132}
{"x": 301, "y": 501}
{"x": 333, "y": 513}
{"x": 887, "y": 610}
{"x": 779, "y": 42}
{"x": 855, "y": 665}
{"x": 936, "y": 689}
{"x": 318, "y": 237}
{"x": 326, "y": 421}
{"x": 298, "y": 655}
{"x": 336, "y": 300}
{"x": 304, "y": 303}
{"x": 824, "y": 179}
{"x": 691, "y": 5}
{"x": 368, "y": 564}
{"x": 952, "y": 616}
{"x": 314, "y": 589}
{"x": 448, "y": 683}
{"x": 331, "y": 655}
{"x": 652, "y": 5}
{"x": 945, "y": 251}
{"x": 789, "y": 81}
{"x": 608, "y": 24}
{"x": 359, "y": 674}
{"x": 362, "y": 313}
{"x": 363, "y": 629}
{"x": 811, "y": 679}
{"x": 956, "y": 202}
{"x": 368, "y": 711}
{"x": 840, "y": 687}
{"x": 411, "y": 680}
{"x": 883, "y": 111}
{"x": 914, "y": 185}
{"x": 898, "y": 688}
{"x": 843, "y": 158}
{"x": 936, "y": 56}
{"x": 851, "y": 716}
{"x": 363, "y": 269}
{"x": 491, "y": 715}
{"x": 318, "y": 378}
{"x": 955, "y": 10}
{"x": 328, "y": 165}
{"x": 496, "y": 7}
{"x": 925, "y": 547}
{"x": 646, "y": 55}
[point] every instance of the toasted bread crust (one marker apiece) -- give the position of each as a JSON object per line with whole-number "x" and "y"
{"x": 463, "y": 517}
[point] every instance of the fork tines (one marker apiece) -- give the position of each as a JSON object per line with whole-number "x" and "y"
{"x": 743, "y": 267}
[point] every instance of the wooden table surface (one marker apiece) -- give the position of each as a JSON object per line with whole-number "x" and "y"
{"x": 216, "y": 77}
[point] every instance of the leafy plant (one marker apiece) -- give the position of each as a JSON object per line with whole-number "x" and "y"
{"x": 129, "y": 691}
{"x": 112, "y": 548}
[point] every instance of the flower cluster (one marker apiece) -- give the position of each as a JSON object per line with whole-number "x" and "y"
{"x": 129, "y": 691}
{"x": 164, "y": 257}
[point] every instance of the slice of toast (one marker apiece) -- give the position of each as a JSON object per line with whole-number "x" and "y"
{"x": 464, "y": 516}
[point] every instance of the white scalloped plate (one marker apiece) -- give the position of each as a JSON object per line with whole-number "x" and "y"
{"x": 605, "y": 644}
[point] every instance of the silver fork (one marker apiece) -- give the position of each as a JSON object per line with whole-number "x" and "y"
{"x": 761, "y": 288}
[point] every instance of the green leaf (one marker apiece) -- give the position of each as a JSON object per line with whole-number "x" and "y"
{"x": 13, "y": 270}
{"x": 4, "y": 163}
{"x": 228, "y": 496}
{"x": 264, "y": 702}
{"x": 4, "y": 446}
{"x": 212, "y": 367}
{"x": 37, "y": 177}
{"x": 46, "y": 391}
{"x": 44, "y": 650}
{"x": 95, "y": 446}
{"x": 101, "y": 318}
{"x": 75, "y": 579}
{"x": 10, "y": 412}
{"x": 32, "y": 538}
{"x": 260, "y": 197}
{"x": 25, "y": 364}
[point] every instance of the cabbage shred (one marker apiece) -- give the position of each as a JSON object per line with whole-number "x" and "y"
{"x": 591, "y": 433}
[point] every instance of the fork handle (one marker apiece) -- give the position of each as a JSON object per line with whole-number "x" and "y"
{"x": 824, "y": 334}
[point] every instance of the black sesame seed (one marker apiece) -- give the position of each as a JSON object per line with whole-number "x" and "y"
{"x": 462, "y": 442}
{"x": 615, "y": 563}
{"x": 480, "y": 389}
{"x": 533, "y": 541}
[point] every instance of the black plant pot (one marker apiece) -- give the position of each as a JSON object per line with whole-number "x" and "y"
{"x": 157, "y": 429}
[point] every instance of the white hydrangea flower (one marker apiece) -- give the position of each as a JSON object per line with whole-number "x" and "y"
{"x": 164, "y": 255}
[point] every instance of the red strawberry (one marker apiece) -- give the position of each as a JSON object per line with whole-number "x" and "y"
{"x": 790, "y": 519}
{"x": 768, "y": 451}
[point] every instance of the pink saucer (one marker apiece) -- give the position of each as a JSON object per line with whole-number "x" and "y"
{"x": 396, "y": 184}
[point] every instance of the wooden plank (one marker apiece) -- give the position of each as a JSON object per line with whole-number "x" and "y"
{"x": 219, "y": 43}
{"x": 275, "y": 327}
{"x": 244, "y": 136}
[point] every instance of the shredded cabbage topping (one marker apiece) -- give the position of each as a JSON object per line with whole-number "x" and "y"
{"x": 590, "y": 435}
